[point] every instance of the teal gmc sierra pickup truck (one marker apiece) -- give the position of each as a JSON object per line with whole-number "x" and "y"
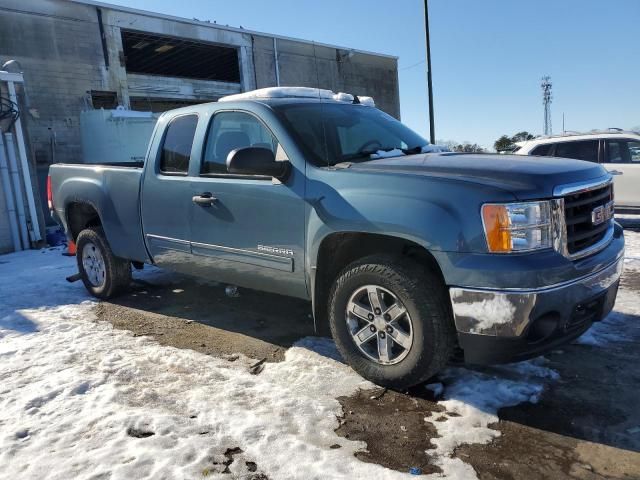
{"x": 409, "y": 255}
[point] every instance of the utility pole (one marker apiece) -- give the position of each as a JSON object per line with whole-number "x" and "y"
{"x": 432, "y": 133}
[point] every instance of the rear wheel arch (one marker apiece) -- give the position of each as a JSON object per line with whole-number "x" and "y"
{"x": 103, "y": 274}
{"x": 81, "y": 215}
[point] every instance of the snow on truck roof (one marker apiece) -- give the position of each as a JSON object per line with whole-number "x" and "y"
{"x": 298, "y": 92}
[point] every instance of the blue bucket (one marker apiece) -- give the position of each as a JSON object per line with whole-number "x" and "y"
{"x": 56, "y": 238}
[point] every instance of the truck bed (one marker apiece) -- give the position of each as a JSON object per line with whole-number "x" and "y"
{"x": 114, "y": 192}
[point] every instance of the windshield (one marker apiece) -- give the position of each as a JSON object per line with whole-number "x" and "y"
{"x": 333, "y": 133}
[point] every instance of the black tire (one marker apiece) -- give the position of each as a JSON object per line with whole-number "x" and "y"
{"x": 426, "y": 300}
{"x": 117, "y": 271}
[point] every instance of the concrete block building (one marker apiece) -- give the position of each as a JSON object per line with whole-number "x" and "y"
{"x": 81, "y": 55}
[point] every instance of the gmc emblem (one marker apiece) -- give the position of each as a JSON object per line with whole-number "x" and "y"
{"x": 602, "y": 213}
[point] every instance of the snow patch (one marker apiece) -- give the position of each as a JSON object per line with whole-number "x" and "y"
{"x": 281, "y": 92}
{"x": 472, "y": 399}
{"x": 396, "y": 152}
{"x": 430, "y": 148}
{"x": 368, "y": 101}
{"x": 632, "y": 248}
{"x": 614, "y": 327}
{"x": 79, "y": 399}
{"x": 297, "y": 92}
{"x": 343, "y": 97}
{"x": 488, "y": 312}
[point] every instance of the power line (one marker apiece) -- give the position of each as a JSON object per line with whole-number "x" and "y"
{"x": 412, "y": 65}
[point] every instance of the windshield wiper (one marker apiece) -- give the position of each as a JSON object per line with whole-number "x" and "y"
{"x": 413, "y": 150}
{"x": 365, "y": 154}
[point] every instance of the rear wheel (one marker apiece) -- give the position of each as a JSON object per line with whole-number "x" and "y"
{"x": 391, "y": 321}
{"x": 103, "y": 274}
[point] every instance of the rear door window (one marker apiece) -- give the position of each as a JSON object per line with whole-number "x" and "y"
{"x": 542, "y": 150}
{"x": 634, "y": 150}
{"x": 580, "y": 150}
{"x": 176, "y": 147}
{"x": 623, "y": 151}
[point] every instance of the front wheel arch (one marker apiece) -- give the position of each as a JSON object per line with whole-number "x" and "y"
{"x": 339, "y": 249}
{"x": 425, "y": 299}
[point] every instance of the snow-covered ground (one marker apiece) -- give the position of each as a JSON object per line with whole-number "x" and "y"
{"x": 79, "y": 399}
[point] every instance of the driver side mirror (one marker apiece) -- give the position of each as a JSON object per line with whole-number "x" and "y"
{"x": 256, "y": 161}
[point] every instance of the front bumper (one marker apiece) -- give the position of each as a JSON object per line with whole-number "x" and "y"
{"x": 499, "y": 326}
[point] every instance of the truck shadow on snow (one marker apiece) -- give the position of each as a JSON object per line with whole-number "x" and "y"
{"x": 16, "y": 322}
{"x": 186, "y": 312}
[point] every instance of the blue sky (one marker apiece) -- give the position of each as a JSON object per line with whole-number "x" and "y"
{"x": 487, "y": 55}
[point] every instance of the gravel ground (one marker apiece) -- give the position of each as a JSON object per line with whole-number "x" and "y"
{"x": 585, "y": 426}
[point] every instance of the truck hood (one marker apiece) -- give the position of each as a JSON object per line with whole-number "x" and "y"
{"x": 525, "y": 177}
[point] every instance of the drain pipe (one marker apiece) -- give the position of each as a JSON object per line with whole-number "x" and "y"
{"x": 8, "y": 195}
{"x": 26, "y": 172}
{"x": 15, "y": 177}
{"x": 275, "y": 57}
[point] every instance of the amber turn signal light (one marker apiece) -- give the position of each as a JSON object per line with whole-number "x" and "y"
{"x": 497, "y": 227}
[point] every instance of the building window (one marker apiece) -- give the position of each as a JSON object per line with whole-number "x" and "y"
{"x": 159, "y": 105}
{"x": 176, "y": 148}
{"x": 104, "y": 99}
{"x": 151, "y": 54}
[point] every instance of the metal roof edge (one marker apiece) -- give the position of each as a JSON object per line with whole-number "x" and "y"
{"x": 223, "y": 27}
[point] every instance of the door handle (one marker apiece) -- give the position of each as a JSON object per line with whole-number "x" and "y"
{"x": 204, "y": 200}
{"x": 615, "y": 172}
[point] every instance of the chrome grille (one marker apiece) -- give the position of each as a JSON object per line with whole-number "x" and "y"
{"x": 582, "y": 212}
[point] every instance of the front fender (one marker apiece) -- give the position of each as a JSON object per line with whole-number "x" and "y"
{"x": 438, "y": 214}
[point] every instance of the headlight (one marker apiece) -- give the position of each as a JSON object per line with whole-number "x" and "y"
{"x": 517, "y": 227}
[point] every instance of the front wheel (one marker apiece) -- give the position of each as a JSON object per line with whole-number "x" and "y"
{"x": 391, "y": 321}
{"x": 103, "y": 274}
